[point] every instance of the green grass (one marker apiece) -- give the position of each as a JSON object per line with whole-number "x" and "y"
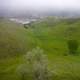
{"x": 49, "y": 34}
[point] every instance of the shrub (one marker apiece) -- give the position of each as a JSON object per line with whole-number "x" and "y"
{"x": 73, "y": 46}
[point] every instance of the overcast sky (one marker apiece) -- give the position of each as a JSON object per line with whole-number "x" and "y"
{"x": 13, "y": 6}
{"x": 21, "y": 4}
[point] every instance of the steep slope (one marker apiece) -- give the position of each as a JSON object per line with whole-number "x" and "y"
{"x": 14, "y": 39}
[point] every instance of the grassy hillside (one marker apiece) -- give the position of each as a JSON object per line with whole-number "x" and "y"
{"x": 14, "y": 39}
{"x": 49, "y": 34}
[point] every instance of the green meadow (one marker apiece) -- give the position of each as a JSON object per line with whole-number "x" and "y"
{"x": 50, "y": 34}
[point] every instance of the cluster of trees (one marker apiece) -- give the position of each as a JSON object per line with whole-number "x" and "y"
{"x": 73, "y": 46}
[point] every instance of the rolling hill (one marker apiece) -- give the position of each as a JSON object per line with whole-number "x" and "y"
{"x": 50, "y": 34}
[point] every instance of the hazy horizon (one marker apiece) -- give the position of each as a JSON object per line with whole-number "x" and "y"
{"x": 11, "y": 7}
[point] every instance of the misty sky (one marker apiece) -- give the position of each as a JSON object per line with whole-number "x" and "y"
{"x": 40, "y": 4}
{"x": 14, "y": 6}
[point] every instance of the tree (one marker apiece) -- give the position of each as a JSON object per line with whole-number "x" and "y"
{"x": 73, "y": 46}
{"x": 37, "y": 65}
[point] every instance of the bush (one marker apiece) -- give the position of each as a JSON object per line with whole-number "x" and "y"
{"x": 73, "y": 46}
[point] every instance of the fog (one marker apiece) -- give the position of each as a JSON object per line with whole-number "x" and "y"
{"x": 17, "y": 6}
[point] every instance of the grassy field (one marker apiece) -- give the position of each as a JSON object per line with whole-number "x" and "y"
{"x": 49, "y": 34}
